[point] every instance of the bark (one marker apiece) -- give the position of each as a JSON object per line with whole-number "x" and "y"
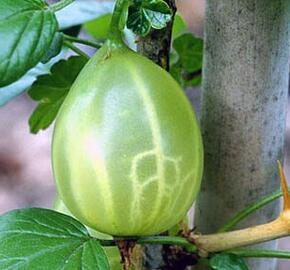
{"x": 244, "y": 100}
{"x": 156, "y": 46}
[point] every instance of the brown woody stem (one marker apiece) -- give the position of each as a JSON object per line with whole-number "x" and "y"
{"x": 126, "y": 249}
{"x": 157, "y": 44}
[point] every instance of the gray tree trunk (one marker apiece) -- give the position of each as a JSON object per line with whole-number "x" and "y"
{"x": 244, "y": 99}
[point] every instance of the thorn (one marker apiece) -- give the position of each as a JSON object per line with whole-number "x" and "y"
{"x": 284, "y": 187}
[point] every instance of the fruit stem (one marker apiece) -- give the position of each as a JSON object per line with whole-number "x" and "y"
{"x": 60, "y": 5}
{"x": 115, "y": 34}
{"x": 253, "y": 235}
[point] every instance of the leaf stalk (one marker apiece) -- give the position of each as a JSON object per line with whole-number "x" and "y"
{"x": 261, "y": 253}
{"x": 83, "y": 41}
{"x": 75, "y": 49}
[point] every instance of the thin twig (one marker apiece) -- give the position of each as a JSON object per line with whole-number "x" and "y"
{"x": 261, "y": 253}
{"x": 83, "y": 41}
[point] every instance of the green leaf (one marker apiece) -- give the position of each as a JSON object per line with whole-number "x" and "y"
{"x": 7, "y": 93}
{"x": 27, "y": 28}
{"x": 227, "y": 262}
{"x": 113, "y": 253}
{"x": 176, "y": 73}
{"x": 188, "y": 50}
{"x": 44, "y": 239}
{"x": 196, "y": 81}
{"x": 51, "y": 90}
{"x": 146, "y": 14}
{"x": 157, "y": 12}
{"x": 179, "y": 26}
{"x": 54, "y": 49}
{"x": 137, "y": 21}
{"x": 99, "y": 27}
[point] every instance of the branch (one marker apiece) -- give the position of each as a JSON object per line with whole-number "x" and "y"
{"x": 253, "y": 235}
{"x": 157, "y": 44}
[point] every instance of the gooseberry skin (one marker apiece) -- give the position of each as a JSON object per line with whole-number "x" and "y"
{"x": 127, "y": 152}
